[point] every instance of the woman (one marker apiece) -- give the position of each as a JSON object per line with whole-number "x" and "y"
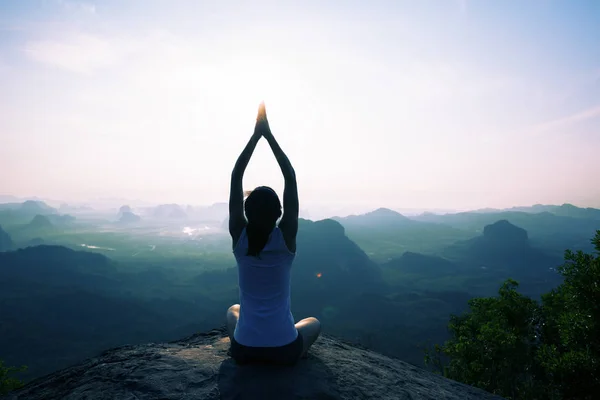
{"x": 261, "y": 328}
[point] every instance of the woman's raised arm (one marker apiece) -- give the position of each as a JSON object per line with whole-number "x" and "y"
{"x": 291, "y": 207}
{"x": 237, "y": 220}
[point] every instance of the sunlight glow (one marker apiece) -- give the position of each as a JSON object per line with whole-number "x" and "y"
{"x": 244, "y": 83}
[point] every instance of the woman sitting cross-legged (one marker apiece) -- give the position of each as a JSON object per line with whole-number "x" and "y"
{"x": 261, "y": 328}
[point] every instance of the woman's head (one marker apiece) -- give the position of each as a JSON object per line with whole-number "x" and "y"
{"x": 262, "y": 208}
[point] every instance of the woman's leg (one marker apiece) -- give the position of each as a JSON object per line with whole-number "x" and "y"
{"x": 309, "y": 328}
{"x": 233, "y": 314}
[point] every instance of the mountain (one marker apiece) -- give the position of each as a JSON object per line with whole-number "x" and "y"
{"x": 569, "y": 210}
{"x": 552, "y": 232}
{"x": 57, "y": 266}
{"x": 40, "y": 222}
{"x": 536, "y": 208}
{"x": 504, "y": 251}
{"x": 129, "y": 218}
{"x": 169, "y": 211}
{"x": 29, "y": 207}
{"x": 12, "y": 214}
{"x": 498, "y": 242}
{"x": 124, "y": 209}
{"x": 382, "y": 217}
{"x": 37, "y": 207}
{"x": 59, "y": 306}
{"x": 385, "y": 234}
{"x": 324, "y": 248}
{"x": 64, "y": 219}
{"x": 504, "y": 236}
{"x": 328, "y": 269}
{"x": 565, "y": 210}
{"x": 6, "y": 242}
{"x": 199, "y": 367}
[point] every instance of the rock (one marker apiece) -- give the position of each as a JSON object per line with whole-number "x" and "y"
{"x": 199, "y": 368}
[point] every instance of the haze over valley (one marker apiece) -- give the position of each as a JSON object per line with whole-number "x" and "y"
{"x": 445, "y": 155}
{"x": 168, "y": 271}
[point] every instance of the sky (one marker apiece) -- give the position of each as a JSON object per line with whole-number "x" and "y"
{"x": 452, "y": 104}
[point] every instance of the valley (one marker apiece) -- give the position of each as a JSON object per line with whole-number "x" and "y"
{"x": 74, "y": 285}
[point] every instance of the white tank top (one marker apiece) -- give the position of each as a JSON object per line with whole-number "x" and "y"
{"x": 265, "y": 318}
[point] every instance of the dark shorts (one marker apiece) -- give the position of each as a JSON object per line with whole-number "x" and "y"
{"x": 282, "y": 355}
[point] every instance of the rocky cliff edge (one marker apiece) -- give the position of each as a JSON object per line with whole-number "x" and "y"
{"x": 199, "y": 368}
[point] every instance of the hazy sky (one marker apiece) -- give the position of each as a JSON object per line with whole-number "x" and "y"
{"x": 450, "y": 104}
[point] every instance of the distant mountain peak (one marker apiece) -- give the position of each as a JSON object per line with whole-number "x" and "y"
{"x": 37, "y": 206}
{"x": 40, "y": 221}
{"x": 503, "y": 232}
{"x": 385, "y": 212}
{"x": 380, "y": 216}
{"x": 125, "y": 208}
{"x": 129, "y": 217}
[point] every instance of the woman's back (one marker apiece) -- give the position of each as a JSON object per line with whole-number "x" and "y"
{"x": 265, "y": 318}
{"x": 262, "y": 327}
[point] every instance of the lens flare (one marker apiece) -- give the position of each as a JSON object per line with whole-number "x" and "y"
{"x": 319, "y": 274}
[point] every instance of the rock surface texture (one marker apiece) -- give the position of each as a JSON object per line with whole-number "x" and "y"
{"x": 199, "y": 368}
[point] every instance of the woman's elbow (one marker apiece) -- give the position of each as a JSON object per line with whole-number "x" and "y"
{"x": 291, "y": 175}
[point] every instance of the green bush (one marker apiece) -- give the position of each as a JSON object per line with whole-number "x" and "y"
{"x": 518, "y": 348}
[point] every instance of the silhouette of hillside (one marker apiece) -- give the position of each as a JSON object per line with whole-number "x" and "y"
{"x": 380, "y": 218}
{"x": 333, "y": 279}
{"x": 13, "y": 214}
{"x": 58, "y": 266}
{"x": 64, "y": 219}
{"x": 6, "y": 242}
{"x": 553, "y": 232}
{"x": 328, "y": 267}
{"x": 128, "y": 217}
{"x": 504, "y": 250}
{"x": 386, "y": 234}
{"x": 59, "y": 306}
{"x": 40, "y": 222}
{"x": 564, "y": 210}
